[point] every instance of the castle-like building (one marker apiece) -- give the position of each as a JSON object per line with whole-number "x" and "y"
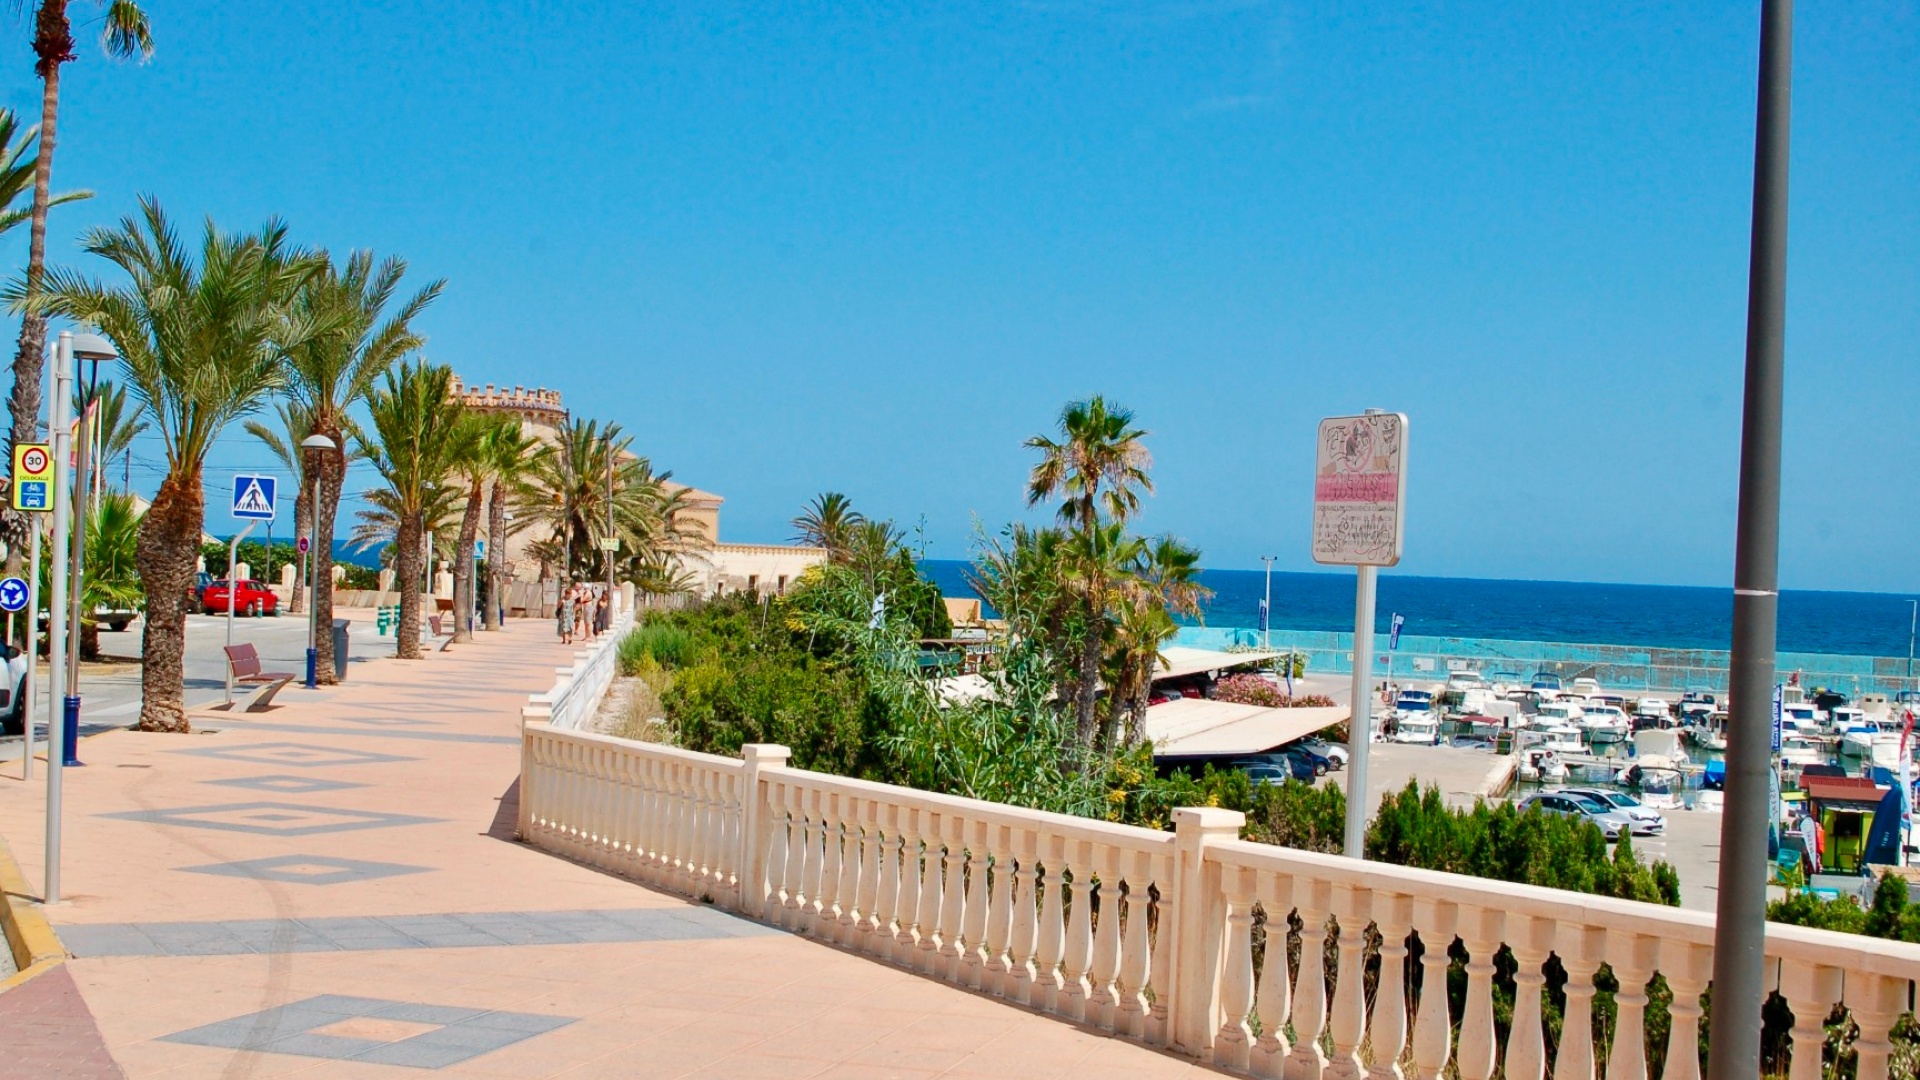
{"x": 716, "y": 566}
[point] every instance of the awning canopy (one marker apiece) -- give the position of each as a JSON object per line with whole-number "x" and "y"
{"x": 1196, "y": 727}
{"x": 1180, "y": 660}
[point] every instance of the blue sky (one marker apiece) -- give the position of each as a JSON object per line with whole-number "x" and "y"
{"x": 872, "y": 249}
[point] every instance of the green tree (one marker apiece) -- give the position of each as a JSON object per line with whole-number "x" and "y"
{"x": 355, "y": 342}
{"x": 829, "y": 522}
{"x": 110, "y": 575}
{"x": 473, "y": 461}
{"x": 416, "y": 420}
{"x": 124, "y": 33}
{"x": 199, "y": 336}
{"x": 1163, "y": 581}
{"x": 566, "y": 499}
{"x": 513, "y": 453}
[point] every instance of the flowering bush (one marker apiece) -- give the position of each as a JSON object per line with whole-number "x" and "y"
{"x": 1254, "y": 690}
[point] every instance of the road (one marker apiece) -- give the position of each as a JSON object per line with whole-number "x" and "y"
{"x": 110, "y": 691}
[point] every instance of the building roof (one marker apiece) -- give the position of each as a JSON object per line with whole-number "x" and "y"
{"x": 1197, "y": 727}
{"x": 1842, "y": 789}
{"x": 693, "y": 494}
{"x": 1179, "y": 660}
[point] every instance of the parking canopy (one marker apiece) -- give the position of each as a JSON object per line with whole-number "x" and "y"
{"x": 1198, "y": 728}
{"x": 1179, "y": 660}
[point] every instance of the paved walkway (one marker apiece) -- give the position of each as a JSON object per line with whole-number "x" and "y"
{"x": 331, "y": 891}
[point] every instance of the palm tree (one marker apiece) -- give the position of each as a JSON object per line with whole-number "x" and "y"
{"x": 513, "y": 453}
{"x": 19, "y": 160}
{"x": 416, "y": 419}
{"x": 1163, "y": 581}
{"x": 828, "y": 522}
{"x": 355, "y": 343}
{"x": 1099, "y": 465}
{"x": 472, "y": 461}
{"x": 566, "y": 497}
{"x": 198, "y": 335}
{"x": 123, "y": 33}
{"x": 1096, "y": 563}
{"x": 116, "y": 423}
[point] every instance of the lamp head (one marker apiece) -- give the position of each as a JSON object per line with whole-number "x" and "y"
{"x": 317, "y": 442}
{"x": 90, "y": 346}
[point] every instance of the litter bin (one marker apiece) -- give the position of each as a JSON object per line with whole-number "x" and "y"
{"x": 340, "y": 647}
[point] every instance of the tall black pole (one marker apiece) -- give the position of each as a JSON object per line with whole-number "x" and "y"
{"x": 1739, "y": 960}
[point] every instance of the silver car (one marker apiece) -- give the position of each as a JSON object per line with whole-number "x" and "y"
{"x": 1646, "y": 821}
{"x": 1612, "y": 822}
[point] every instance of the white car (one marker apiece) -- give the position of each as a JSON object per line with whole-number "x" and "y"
{"x": 1646, "y": 820}
{"x": 13, "y": 712}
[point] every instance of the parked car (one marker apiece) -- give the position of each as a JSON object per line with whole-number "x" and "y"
{"x": 250, "y": 598}
{"x": 197, "y": 592}
{"x": 1276, "y": 768}
{"x": 1612, "y": 823}
{"x": 1321, "y": 761}
{"x": 1333, "y": 752}
{"x": 13, "y": 698}
{"x": 1646, "y": 821}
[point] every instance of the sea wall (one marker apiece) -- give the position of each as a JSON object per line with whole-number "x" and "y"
{"x": 1625, "y": 667}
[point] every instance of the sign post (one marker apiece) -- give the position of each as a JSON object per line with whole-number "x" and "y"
{"x": 1359, "y": 516}
{"x": 32, "y": 487}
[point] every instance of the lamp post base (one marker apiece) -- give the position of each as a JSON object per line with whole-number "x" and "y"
{"x": 70, "y": 731}
{"x": 313, "y": 674}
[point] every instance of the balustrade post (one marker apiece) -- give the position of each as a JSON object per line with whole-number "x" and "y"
{"x": 999, "y": 911}
{"x": 1580, "y": 948}
{"x": 756, "y": 832}
{"x": 932, "y": 889}
{"x": 973, "y": 956}
{"x": 1811, "y": 991}
{"x": 1234, "y": 1040}
{"x": 1353, "y": 907}
{"x": 1432, "y": 1024}
{"x": 1194, "y": 959}
{"x": 907, "y": 910}
{"x": 1160, "y": 973}
{"x": 1531, "y": 940}
{"x": 886, "y": 901}
{"x": 1875, "y": 1001}
{"x": 1135, "y": 956}
{"x": 1053, "y": 927}
{"x": 1632, "y": 957}
{"x": 1102, "y": 1002}
{"x": 1273, "y": 1001}
{"x": 1393, "y": 913}
{"x": 953, "y": 897}
{"x": 1313, "y": 900}
{"x": 1480, "y": 928}
{"x": 529, "y": 783}
{"x": 1026, "y": 917}
{"x": 1079, "y": 950}
{"x": 1687, "y": 968}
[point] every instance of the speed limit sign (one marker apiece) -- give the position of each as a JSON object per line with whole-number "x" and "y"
{"x": 32, "y": 477}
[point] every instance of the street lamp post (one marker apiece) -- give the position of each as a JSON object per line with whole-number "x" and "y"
{"x": 315, "y": 447}
{"x": 1740, "y": 927}
{"x": 1266, "y": 606}
{"x": 93, "y": 348}
{"x": 57, "y": 609}
{"x": 611, "y": 543}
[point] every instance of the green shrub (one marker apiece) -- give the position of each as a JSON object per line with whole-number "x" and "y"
{"x": 663, "y": 643}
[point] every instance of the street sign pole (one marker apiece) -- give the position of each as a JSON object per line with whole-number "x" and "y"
{"x": 233, "y": 593}
{"x": 57, "y": 609}
{"x": 32, "y": 645}
{"x": 1359, "y": 517}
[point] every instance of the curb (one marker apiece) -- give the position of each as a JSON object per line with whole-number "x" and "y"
{"x": 36, "y": 948}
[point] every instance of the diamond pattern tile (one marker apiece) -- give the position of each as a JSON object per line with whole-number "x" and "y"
{"x": 271, "y": 818}
{"x": 295, "y": 754}
{"x": 307, "y": 869}
{"x": 369, "y": 1029}
{"x": 284, "y": 784}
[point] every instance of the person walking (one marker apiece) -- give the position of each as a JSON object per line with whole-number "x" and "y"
{"x": 603, "y": 613}
{"x": 565, "y": 617}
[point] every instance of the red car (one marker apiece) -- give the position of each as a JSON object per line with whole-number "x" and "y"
{"x": 251, "y": 598}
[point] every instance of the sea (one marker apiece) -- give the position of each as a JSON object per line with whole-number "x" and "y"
{"x": 1656, "y": 616}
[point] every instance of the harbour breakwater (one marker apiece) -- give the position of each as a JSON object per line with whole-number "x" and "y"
{"x": 1616, "y": 667}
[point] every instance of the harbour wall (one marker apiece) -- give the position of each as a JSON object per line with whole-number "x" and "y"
{"x": 1623, "y": 667}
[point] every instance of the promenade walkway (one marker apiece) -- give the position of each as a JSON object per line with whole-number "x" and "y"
{"x": 332, "y": 890}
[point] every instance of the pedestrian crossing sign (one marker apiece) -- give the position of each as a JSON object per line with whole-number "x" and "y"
{"x": 32, "y": 477}
{"x": 253, "y": 497}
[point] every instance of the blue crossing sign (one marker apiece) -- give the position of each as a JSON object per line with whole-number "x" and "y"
{"x": 253, "y": 497}
{"x": 13, "y": 595}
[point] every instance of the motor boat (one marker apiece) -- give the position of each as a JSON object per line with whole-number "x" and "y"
{"x": 1564, "y": 713}
{"x": 1654, "y": 709}
{"x": 1877, "y": 706}
{"x": 1560, "y": 738}
{"x": 1546, "y": 684}
{"x": 1412, "y": 701}
{"x": 1857, "y": 740}
{"x": 1541, "y": 765}
{"x": 1604, "y": 724}
{"x": 1585, "y": 687}
{"x": 1658, "y": 748}
{"x": 1797, "y": 751}
{"x": 1885, "y": 751}
{"x": 1506, "y": 682}
{"x": 1421, "y": 729}
{"x": 1842, "y": 717}
{"x": 1801, "y": 715}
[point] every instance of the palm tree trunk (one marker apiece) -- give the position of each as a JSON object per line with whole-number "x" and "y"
{"x": 89, "y": 639}
{"x": 333, "y": 472}
{"x": 1086, "y": 727}
{"x": 411, "y": 536}
{"x": 168, "y": 550}
{"x": 463, "y": 566}
{"x": 496, "y": 555}
{"x": 53, "y": 45}
{"x": 296, "y": 604}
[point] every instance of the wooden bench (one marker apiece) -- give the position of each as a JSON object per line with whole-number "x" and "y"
{"x": 243, "y": 666}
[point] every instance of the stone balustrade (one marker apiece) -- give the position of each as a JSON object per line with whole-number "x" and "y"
{"x": 1252, "y": 957}
{"x": 578, "y": 688}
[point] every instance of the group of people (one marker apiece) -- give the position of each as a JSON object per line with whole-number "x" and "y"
{"x": 585, "y": 612}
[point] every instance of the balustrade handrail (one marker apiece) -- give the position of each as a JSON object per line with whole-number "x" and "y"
{"x": 1156, "y": 935}
{"x": 579, "y": 688}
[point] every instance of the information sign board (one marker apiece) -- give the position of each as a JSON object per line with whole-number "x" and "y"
{"x": 1359, "y": 490}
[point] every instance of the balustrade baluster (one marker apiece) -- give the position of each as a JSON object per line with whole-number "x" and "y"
{"x": 999, "y": 911}
{"x": 867, "y": 888}
{"x": 1134, "y": 953}
{"x": 795, "y": 878}
{"x": 774, "y": 907}
{"x": 1312, "y": 899}
{"x": 1273, "y": 999}
{"x": 1393, "y": 915}
{"x": 686, "y": 819}
{"x": 932, "y": 889}
{"x": 626, "y": 814}
{"x": 1234, "y": 1039}
{"x": 727, "y": 790}
{"x": 564, "y": 816}
{"x": 1159, "y": 970}
{"x": 828, "y": 916}
{"x": 907, "y": 911}
{"x": 1531, "y": 940}
{"x": 1875, "y": 1001}
{"x": 1026, "y": 918}
{"x": 973, "y": 955}
{"x": 1102, "y": 1002}
{"x": 810, "y": 874}
{"x": 601, "y": 819}
{"x": 953, "y": 898}
{"x": 886, "y": 892}
{"x": 1811, "y": 991}
{"x": 1432, "y": 1025}
{"x": 1052, "y": 895}
{"x": 1354, "y": 910}
{"x": 1480, "y": 930}
{"x": 1633, "y": 957}
{"x": 1580, "y": 949}
{"x": 694, "y": 866}
{"x": 1079, "y": 943}
{"x": 851, "y": 850}
{"x": 1687, "y": 968}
